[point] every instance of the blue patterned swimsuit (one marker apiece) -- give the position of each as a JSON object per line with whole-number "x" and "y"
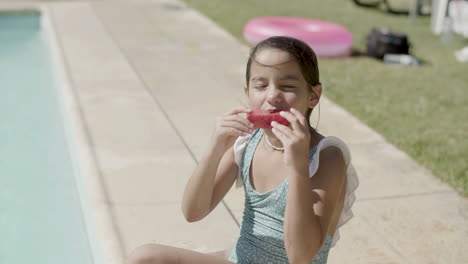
{"x": 261, "y": 237}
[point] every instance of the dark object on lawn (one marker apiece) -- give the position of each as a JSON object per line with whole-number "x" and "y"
{"x": 383, "y": 41}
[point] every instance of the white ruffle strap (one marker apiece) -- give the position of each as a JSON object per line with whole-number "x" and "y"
{"x": 351, "y": 184}
{"x": 239, "y": 147}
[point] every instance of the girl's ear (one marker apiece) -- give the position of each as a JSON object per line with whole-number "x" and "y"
{"x": 315, "y": 95}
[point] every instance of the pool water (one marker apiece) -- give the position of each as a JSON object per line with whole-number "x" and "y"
{"x": 41, "y": 215}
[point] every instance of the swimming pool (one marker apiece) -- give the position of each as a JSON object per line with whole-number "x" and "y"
{"x": 42, "y": 219}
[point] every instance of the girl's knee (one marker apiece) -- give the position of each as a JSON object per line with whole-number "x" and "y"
{"x": 150, "y": 254}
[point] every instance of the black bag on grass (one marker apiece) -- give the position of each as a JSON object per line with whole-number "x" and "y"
{"x": 382, "y": 41}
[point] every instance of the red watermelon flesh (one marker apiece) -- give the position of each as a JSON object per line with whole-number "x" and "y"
{"x": 263, "y": 118}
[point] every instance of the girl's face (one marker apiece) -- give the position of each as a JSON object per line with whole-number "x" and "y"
{"x": 276, "y": 82}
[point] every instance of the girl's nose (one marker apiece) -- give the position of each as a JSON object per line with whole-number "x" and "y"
{"x": 274, "y": 96}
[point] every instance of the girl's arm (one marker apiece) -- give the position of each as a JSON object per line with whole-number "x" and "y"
{"x": 217, "y": 170}
{"x": 209, "y": 184}
{"x": 311, "y": 203}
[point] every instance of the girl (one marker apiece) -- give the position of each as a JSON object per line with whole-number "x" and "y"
{"x": 299, "y": 185}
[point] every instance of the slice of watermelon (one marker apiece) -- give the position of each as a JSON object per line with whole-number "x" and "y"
{"x": 263, "y": 118}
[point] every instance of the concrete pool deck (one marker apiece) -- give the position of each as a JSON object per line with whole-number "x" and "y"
{"x": 146, "y": 82}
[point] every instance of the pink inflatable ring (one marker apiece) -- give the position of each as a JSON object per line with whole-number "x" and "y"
{"x": 325, "y": 38}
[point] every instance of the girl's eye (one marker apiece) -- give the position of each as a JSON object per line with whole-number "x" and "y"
{"x": 289, "y": 87}
{"x": 260, "y": 87}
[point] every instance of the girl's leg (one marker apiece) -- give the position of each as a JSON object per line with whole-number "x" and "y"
{"x": 160, "y": 254}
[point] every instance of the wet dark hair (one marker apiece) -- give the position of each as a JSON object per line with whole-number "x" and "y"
{"x": 303, "y": 54}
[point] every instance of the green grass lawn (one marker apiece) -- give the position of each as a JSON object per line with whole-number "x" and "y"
{"x": 422, "y": 110}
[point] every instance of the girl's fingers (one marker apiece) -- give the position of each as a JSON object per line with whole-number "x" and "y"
{"x": 296, "y": 125}
{"x": 238, "y": 119}
{"x": 283, "y": 130}
{"x": 237, "y": 125}
{"x": 280, "y": 135}
{"x": 235, "y": 131}
{"x": 299, "y": 117}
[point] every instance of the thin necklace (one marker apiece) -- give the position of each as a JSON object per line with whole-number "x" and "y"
{"x": 271, "y": 145}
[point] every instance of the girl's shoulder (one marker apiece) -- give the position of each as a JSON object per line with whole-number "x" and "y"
{"x": 239, "y": 148}
{"x": 241, "y": 144}
{"x": 326, "y": 143}
{"x": 352, "y": 181}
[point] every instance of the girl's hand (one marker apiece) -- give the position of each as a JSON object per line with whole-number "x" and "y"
{"x": 230, "y": 126}
{"x": 295, "y": 138}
